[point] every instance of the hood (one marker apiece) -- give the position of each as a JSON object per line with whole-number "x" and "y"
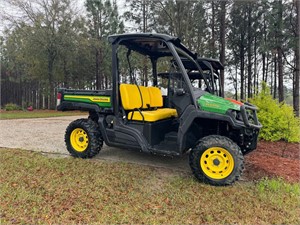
{"x": 213, "y": 103}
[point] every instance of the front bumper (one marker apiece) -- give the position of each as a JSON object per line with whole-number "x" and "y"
{"x": 250, "y": 111}
{"x": 246, "y": 117}
{"x": 247, "y": 136}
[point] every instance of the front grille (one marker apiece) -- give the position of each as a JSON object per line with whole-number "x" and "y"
{"x": 248, "y": 113}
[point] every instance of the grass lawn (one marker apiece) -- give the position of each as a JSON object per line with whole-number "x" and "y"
{"x": 36, "y": 114}
{"x": 36, "y": 189}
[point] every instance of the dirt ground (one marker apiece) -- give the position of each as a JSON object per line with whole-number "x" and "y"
{"x": 276, "y": 159}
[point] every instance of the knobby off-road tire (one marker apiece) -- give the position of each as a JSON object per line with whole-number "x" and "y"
{"x": 216, "y": 160}
{"x": 83, "y": 138}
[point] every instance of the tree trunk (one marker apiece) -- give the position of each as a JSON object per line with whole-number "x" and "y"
{"x": 97, "y": 70}
{"x": 223, "y": 41}
{"x": 255, "y": 74}
{"x": 99, "y": 75}
{"x": 249, "y": 85}
{"x": 264, "y": 57}
{"x": 145, "y": 69}
{"x": 275, "y": 77}
{"x": 267, "y": 69}
{"x": 280, "y": 75}
{"x": 144, "y": 16}
{"x": 213, "y": 39}
{"x": 101, "y": 78}
{"x": 145, "y": 72}
{"x": 236, "y": 83}
{"x": 264, "y": 66}
{"x": 279, "y": 53}
{"x": 66, "y": 74}
{"x": 51, "y": 56}
{"x": 297, "y": 62}
{"x": 242, "y": 73}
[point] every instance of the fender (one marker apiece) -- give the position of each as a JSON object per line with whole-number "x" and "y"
{"x": 191, "y": 113}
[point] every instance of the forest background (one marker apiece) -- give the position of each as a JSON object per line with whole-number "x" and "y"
{"x": 48, "y": 44}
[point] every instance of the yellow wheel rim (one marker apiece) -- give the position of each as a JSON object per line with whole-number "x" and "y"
{"x": 217, "y": 163}
{"x": 79, "y": 140}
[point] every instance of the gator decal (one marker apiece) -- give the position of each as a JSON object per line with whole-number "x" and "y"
{"x": 102, "y": 101}
{"x": 212, "y": 103}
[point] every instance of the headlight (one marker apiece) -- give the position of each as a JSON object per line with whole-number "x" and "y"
{"x": 250, "y": 116}
{"x": 234, "y": 114}
{"x": 237, "y": 115}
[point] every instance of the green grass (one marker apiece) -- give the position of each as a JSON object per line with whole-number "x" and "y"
{"x": 36, "y": 114}
{"x": 36, "y": 189}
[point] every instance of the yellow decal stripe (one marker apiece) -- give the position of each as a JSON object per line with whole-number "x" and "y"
{"x": 91, "y": 98}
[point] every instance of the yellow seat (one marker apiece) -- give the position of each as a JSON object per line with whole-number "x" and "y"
{"x": 152, "y": 116}
{"x": 156, "y": 99}
{"x": 145, "y": 97}
{"x": 138, "y": 98}
{"x": 171, "y": 112}
{"x": 130, "y": 96}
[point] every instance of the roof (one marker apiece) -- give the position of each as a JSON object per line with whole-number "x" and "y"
{"x": 191, "y": 75}
{"x": 204, "y": 63}
{"x": 216, "y": 64}
{"x": 115, "y": 37}
{"x": 149, "y": 43}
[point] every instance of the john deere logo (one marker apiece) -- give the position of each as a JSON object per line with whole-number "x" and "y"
{"x": 101, "y": 99}
{"x": 212, "y": 105}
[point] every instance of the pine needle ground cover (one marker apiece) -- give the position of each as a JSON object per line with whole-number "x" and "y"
{"x": 37, "y": 189}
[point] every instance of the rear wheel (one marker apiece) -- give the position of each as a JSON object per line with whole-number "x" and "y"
{"x": 83, "y": 138}
{"x": 216, "y": 160}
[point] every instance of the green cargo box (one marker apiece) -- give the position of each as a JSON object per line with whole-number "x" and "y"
{"x": 85, "y": 100}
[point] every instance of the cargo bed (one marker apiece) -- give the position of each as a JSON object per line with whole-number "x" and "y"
{"x": 84, "y": 100}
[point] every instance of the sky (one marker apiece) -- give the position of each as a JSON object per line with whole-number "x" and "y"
{"x": 5, "y": 9}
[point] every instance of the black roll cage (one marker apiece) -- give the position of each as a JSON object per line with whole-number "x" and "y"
{"x": 153, "y": 46}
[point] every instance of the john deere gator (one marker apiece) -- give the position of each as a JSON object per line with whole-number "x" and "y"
{"x": 178, "y": 110}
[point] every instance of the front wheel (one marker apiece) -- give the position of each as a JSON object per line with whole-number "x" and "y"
{"x": 216, "y": 160}
{"x": 83, "y": 138}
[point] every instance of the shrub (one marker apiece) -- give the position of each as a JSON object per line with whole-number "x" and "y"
{"x": 26, "y": 104}
{"x": 11, "y": 107}
{"x": 278, "y": 119}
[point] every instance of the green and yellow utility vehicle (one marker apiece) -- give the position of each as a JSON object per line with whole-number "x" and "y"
{"x": 179, "y": 110}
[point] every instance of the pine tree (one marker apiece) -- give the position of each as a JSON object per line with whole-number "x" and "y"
{"x": 103, "y": 20}
{"x": 43, "y": 37}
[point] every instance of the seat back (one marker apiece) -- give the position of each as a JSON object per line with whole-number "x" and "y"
{"x": 136, "y": 97}
{"x": 146, "y": 97}
{"x": 130, "y": 96}
{"x": 156, "y": 99}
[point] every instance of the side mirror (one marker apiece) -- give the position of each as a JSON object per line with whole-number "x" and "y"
{"x": 179, "y": 92}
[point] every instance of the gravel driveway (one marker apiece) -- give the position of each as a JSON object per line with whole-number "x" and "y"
{"x": 47, "y": 135}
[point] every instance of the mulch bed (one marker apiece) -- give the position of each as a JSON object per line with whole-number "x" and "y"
{"x": 274, "y": 159}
